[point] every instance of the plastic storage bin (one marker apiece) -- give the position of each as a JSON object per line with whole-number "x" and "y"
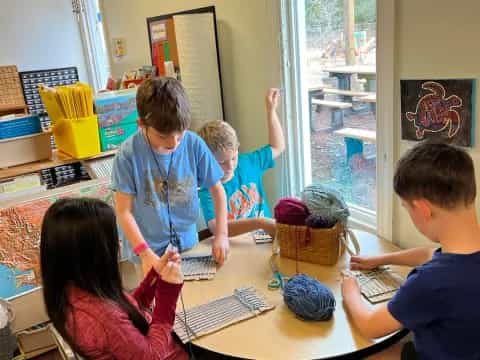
{"x": 19, "y": 126}
{"x": 77, "y": 138}
{"x": 116, "y": 108}
{"x": 113, "y": 136}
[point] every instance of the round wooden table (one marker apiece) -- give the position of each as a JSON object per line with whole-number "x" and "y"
{"x": 278, "y": 334}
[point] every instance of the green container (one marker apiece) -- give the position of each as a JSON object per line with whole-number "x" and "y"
{"x": 111, "y": 137}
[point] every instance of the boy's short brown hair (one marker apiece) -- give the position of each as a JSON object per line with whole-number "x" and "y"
{"x": 163, "y": 104}
{"x": 440, "y": 173}
{"x": 219, "y": 135}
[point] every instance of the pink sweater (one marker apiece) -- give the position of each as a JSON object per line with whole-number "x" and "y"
{"x": 103, "y": 331}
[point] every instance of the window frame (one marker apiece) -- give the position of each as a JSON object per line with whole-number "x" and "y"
{"x": 298, "y": 132}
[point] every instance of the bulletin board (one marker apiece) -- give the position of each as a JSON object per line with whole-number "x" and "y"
{"x": 184, "y": 45}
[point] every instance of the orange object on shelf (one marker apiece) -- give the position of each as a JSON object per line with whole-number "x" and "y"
{"x": 132, "y": 83}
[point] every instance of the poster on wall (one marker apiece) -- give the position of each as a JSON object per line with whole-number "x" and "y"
{"x": 163, "y": 44}
{"x": 438, "y": 109}
{"x": 20, "y": 228}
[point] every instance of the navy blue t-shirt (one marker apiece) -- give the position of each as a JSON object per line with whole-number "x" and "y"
{"x": 440, "y": 303}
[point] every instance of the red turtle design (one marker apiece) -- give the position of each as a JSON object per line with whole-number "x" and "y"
{"x": 435, "y": 113}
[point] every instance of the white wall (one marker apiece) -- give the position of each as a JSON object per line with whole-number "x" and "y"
{"x": 434, "y": 39}
{"x": 37, "y": 35}
{"x": 249, "y": 55}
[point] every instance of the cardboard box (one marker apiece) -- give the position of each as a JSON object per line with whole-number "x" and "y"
{"x": 25, "y": 149}
{"x": 36, "y": 338}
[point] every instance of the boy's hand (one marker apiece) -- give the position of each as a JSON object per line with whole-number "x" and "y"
{"x": 220, "y": 248}
{"x": 148, "y": 259}
{"x": 271, "y": 100}
{"x": 349, "y": 285}
{"x": 364, "y": 262}
{"x": 268, "y": 225}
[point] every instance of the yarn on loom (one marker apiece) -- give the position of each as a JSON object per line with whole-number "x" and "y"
{"x": 326, "y": 202}
{"x": 291, "y": 211}
{"x": 308, "y": 298}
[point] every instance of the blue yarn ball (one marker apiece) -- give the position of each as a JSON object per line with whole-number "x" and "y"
{"x": 308, "y": 298}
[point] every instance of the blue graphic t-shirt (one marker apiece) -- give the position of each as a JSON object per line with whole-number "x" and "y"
{"x": 439, "y": 303}
{"x": 245, "y": 194}
{"x": 136, "y": 172}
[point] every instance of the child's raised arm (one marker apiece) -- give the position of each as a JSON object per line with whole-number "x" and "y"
{"x": 275, "y": 131}
{"x": 410, "y": 257}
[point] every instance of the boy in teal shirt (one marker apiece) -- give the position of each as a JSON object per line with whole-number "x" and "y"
{"x": 246, "y": 201}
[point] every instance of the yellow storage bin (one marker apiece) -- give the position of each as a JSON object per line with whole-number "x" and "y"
{"x": 75, "y": 134}
{"x": 77, "y": 138}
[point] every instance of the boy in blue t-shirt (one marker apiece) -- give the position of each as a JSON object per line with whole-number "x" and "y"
{"x": 156, "y": 174}
{"x": 246, "y": 201}
{"x": 439, "y": 300}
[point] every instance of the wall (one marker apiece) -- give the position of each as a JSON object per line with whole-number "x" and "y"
{"x": 249, "y": 55}
{"x": 434, "y": 39}
{"x": 38, "y": 35}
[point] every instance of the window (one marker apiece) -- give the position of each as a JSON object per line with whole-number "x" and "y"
{"x": 93, "y": 38}
{"x": 330, "y": 48}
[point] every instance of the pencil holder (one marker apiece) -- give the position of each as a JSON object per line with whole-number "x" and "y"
{"x": 77, "y": 138}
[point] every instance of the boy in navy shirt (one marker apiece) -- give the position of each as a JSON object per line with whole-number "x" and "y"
{"x": 439, "y": 300}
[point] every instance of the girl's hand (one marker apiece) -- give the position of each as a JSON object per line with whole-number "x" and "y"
{"x": 161, "y": 262}
{"x": 148, "y": 259}
{"x": 172, "y": 272}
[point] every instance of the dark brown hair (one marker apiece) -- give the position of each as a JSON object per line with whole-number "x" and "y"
{"x": 79, "y": 247}
{"x": 440, "y": 173}
{"x": 163, "y": 104}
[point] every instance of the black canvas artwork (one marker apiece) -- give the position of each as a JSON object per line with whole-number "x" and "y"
{"x": 438, "y": 109}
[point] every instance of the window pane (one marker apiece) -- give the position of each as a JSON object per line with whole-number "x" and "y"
{"x": 341, "y": 76}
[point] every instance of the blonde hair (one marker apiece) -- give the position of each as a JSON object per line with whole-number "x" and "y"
{"x": 219, "y": 135}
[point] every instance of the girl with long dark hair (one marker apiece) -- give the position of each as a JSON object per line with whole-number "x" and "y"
{"x": 83, "y": 292}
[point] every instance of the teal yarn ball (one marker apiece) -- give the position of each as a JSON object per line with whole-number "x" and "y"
{"x": 308, "y": 298}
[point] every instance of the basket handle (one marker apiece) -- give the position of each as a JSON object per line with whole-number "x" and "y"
{"x": 353, "y": 240}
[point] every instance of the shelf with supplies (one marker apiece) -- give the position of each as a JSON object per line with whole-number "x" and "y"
{"x": 56, "y": 160}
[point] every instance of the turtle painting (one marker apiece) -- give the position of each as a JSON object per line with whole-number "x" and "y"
{"x": 438, "y": 109}
{"x": 435, "y": 112}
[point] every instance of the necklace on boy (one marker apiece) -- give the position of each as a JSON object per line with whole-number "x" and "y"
{"x": 174, "y": 238}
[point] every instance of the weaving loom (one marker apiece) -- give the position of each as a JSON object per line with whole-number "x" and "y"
{"x": 379, "y": 284}
{"x": 261, "y": 237}
{"x": 198, "y": 267}
{"x": 205, "y": 319}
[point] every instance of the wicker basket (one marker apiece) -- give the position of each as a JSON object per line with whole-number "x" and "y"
{"x": 319, "y": 246}
{"x": 7, "y": 339}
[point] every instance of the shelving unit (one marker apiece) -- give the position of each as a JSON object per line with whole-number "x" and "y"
{"x": 58, "y": 159}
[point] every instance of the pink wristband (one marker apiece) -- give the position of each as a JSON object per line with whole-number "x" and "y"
{"x": 140, "y": 247}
